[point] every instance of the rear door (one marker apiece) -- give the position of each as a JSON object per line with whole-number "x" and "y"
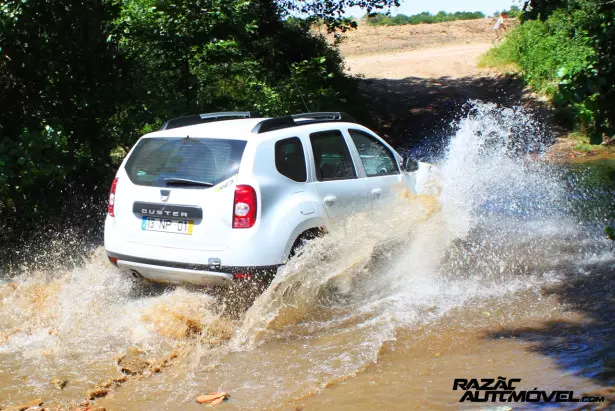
{"x": 337, "y": 184}
{"x": 179, "y": 192}
{"x": 383, "y": 176}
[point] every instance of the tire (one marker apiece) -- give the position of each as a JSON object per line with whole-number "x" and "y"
{"x": 303, "y": 239}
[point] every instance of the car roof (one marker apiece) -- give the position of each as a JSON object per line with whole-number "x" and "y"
{"x": 237, "y": 129}
{"x": 241, "y": 129}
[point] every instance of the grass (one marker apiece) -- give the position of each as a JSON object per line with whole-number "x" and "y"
{"x": 491, "y": 59}
{"x": 583, "y": 145}
{"x": 582, "y": 142}
{"x": 497, "y": 61}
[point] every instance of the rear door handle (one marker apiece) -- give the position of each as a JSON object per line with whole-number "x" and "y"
{"x": 376, "y": 192}
{"x": 330, "y": 200}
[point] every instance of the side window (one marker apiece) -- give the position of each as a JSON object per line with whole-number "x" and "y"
{"x": 331, "y": 156}
{"x": 290, "y": 160}
{"x": 377, "y": 159}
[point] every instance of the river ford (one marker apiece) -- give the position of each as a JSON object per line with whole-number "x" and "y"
{"x": 501, "y": 269}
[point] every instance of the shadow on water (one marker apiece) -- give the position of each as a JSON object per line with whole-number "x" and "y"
{"x": 586, "y": 347}
{"x": 419, "y": 113}
{"x": 592, "y": 188}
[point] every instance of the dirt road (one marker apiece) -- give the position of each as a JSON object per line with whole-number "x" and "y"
{"x": 450, "y": 49}
{"x": 420, "y": 78}
{"x": 417, "y": 79}
{"x": 444, "y": 61}
{"x": 414, "y": 94}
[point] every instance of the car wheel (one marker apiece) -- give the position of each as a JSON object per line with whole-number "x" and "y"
{"x": 303, "y": 239}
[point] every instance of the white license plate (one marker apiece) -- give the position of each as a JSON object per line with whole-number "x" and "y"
{"x": 167, "y": 225}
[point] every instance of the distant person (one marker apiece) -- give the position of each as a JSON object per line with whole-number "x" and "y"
{"x": 499, "y": 28}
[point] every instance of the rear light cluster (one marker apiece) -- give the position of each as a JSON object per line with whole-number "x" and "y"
{"x": 111, "y": 206}
{"x": 244, "y": 207}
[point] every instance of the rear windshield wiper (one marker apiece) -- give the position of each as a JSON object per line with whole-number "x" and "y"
{"x": 187, "y": 182}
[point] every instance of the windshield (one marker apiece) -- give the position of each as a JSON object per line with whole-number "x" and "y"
{"x": 197, "y": 162}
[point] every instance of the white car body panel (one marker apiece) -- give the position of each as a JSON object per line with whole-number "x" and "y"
{"x": 341, "y": 198}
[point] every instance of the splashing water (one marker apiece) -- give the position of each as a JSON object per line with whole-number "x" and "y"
{"x": 488, "y": 197}
{"x": 495, "y": 223}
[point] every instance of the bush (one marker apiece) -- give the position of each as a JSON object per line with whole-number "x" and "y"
{"x": 568, "y": 56}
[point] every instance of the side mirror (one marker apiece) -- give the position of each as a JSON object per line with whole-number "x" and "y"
{"x": 409, "y": 165}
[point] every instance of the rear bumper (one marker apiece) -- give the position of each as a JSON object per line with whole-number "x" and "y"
{"x": 196, "y": 274}
{"x": 259, "y": 246}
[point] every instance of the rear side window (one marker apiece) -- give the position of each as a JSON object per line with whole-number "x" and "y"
{"x": 377, "y": 159}
{"x": 290, "y": 160}
{"x": 331, "y": 156}
{"x": 159, "y": 161}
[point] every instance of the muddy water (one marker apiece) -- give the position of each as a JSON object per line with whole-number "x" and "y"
{"x": 499, "y": 269}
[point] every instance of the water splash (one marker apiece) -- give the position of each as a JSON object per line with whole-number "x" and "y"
{"x": 76, "y": 323}
{"x": 487, "y": 186}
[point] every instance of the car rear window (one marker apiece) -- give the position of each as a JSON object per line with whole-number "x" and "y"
{"x": 155, "y": 161}
{"x": 290, "y": 160}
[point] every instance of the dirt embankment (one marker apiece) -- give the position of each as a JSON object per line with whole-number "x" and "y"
{"x": 379, "y": 39}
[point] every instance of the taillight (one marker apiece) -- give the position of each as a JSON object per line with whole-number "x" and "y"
{"x": 111, "y": 206}
{"x": 244, "y": 207}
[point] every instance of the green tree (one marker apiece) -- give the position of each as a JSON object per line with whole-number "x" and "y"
{"x": 59, "y": 82}
{"x": 566, "y": 49}
{"x": 80, "y": 80}
{"x": 381, "y": 19}
{"x": 211, "y": 55}
{"x": 332, "y": 12}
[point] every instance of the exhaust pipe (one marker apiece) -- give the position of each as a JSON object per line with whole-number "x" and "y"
{"x": 136, "y": 274}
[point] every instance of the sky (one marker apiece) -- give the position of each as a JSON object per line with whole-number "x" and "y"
{"x": 410, "y": 7}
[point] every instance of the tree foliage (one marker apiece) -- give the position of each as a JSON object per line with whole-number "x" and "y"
{"x": 58, "y": 79}
{"x": 514, "y": 11}
{"x": 332, "y": 12}
{"x": 382, "y": 19}
{"x": 81, "y": 80}
{"x": 567, "y": 50}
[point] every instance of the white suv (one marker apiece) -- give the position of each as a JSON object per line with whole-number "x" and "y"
{"x": 215, "y": 197}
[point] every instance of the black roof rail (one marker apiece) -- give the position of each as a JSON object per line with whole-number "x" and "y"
{"x": 207, "y": 118}
{"x": 278, "y": 123}
{"x": 325, "y": 116}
